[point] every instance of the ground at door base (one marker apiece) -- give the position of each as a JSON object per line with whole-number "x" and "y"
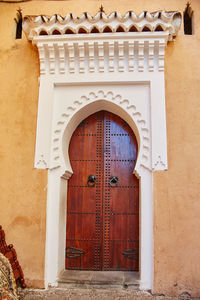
{"x": 93, "y": 294}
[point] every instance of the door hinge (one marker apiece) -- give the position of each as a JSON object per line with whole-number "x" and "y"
{"x": 131, "y": 254}
{"x": 72, "y": 252}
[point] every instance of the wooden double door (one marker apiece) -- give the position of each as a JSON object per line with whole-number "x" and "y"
{"x": 103, "y": 196}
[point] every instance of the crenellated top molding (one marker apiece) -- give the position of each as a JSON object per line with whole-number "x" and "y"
{"x": 102, "y": 23}
{"x": 102, "y": 44}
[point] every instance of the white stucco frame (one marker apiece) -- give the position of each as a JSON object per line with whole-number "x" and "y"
{"x": 57, "y": 185}
{"x": 123, "y": 74}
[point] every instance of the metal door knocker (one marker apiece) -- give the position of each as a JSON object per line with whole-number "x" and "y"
{"x": 91, "y": 180}
{"x": 113, "y": 181}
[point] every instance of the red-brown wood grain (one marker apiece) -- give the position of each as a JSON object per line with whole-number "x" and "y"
{"x": 103, "y": 220}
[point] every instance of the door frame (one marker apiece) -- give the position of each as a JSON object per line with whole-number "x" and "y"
{"x": 61, "y": 170}
{"x": 130, "y": 66}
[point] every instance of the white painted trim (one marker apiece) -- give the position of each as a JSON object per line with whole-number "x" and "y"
{"x": 57, "y": 189}
{"x": 118, "y": 53}
{"x": 121, "y": 73}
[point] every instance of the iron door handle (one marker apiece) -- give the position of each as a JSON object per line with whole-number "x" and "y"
{"x": 91, "y": 180}
{"x": 113, "y": 181}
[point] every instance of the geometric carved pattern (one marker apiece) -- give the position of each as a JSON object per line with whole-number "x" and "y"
{"x": 137, "y": 52}
{"x": 158, "y": 163}
{"x": 102, "y": 23}
{"x": 109, "y": 96}
{"x": 118, "y": 43}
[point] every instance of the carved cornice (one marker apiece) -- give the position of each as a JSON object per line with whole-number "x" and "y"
{"x": 125, "y": 52}
{"x": 101, "y": 23}
{"x": 102, "y": 44}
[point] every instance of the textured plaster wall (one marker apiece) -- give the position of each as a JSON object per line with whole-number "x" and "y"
{"x": 23, "y": 189}
{"x": 176, "y": 191}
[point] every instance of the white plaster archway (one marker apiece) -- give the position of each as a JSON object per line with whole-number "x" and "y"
{"x": 85, "y": 106}
{"x": 122, "y": 72}
{"x": 61, "y": 171}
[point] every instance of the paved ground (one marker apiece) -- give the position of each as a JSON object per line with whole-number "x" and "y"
{"x": 93, "y": 294}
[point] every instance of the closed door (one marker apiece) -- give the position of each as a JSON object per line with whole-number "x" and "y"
{"x": 103, "y": 196}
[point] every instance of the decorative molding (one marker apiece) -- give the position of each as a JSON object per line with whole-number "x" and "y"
{"x": 41, "y": 162}
{"x": 66, "y": 175}
{"x": 121, "y": 56}
{"x": 101, "y": 23}
{"x": 124, "y": 53}
{"x": 56, "y": 150}
{"x": 52, "y": 61}
{"x": 151, "y": 56}
{"x": 101, "y": 57}
{"x": 41, "y": 51}
{"x": 131, "y": 56}
{"x": 161, "y": 55}
{"x": 111, "y": 56}
{"x": 117, "y": 55}
{"x": 61, "y": 51}
{"x": 115, "y": 39}
{"x": 159, "y": 164}
{"x": 81, "y": 51}
{"x": 71, "y": 60}
{"x": 141, "y": 56}
{"x": 91, "y": 57}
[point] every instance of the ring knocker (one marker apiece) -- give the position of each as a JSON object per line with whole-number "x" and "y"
{"x": 91, "y": 180}
{"x": 113, "y": 181}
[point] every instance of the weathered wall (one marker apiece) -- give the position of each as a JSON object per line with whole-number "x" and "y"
{"x": 23, "y": 189}
{"x": 177, "y": 206}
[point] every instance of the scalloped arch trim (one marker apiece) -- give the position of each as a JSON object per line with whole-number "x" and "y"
{"x": 123, "y": 103}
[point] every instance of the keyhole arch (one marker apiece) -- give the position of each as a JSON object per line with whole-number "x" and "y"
{"x": 103, "y": 144}
{"x": 136, "y": 124}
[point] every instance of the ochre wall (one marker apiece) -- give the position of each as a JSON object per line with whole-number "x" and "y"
{"x": 23, "y": 188}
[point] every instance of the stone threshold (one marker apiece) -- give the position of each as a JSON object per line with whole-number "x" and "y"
{"x": 99, "y": 279}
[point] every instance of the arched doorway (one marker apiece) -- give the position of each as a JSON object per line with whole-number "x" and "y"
{"x": 103, "y": 196}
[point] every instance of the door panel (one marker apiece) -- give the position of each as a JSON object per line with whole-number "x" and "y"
{"x": 103, "y": 217}
{"x": 84, "y": 203}
{"x": 85, "y": 261}
{"x": 80, "y": 224}
{"x": 120, "y": 221}
{"x": 119, "y": 262}
{"x": 86, "y": 148}
{"x": 128, "y": 202}
{"x": 124, "y": 172}
{"x": 79, "y": 179}
{"x": 80, "y": 200}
